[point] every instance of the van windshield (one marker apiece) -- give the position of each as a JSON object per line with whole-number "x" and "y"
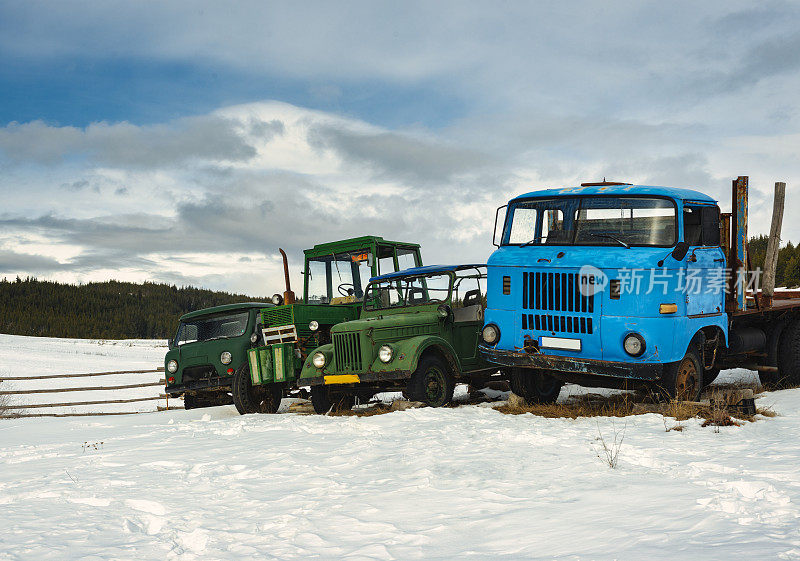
{"x": 599, "y": 220}
{"x": 215, "y": 327}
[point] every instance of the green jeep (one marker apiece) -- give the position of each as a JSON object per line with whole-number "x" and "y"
{"x": 418, "y": 332}
{"x": 208, "y": 348}
{"x": 335, "y": 277}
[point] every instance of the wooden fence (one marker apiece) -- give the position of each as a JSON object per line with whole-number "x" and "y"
{"x": 17, "y": 411}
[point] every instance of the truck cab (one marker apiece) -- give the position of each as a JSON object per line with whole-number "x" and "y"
{"x": 208, "y": 347}
{"x": 606, "y": 285}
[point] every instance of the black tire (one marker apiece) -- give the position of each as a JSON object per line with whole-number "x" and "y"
{"x": 324, "y": 400}
{"x": 432, "y": 382}
{"x": 254, "y": 399}
{"x": 788, "y": 374}
{"x": 535, "y": 386}
{"x": 683, "y": 380}
{"x": 190, "y": 402}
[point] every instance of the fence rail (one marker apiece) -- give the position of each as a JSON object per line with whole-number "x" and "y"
{"x": 11, "y": 411}
{"x": 55, "y": 376}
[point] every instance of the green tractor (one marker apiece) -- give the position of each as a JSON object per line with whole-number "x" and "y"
{"x": 335, "y": 277}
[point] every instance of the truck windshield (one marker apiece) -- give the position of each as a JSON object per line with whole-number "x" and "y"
{"x": 407, "y": 291}
{"x": 214, "y": 327}
{"x": 600, "y": 220}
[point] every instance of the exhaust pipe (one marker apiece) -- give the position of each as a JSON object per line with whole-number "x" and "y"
{"x": 288, "y": 295}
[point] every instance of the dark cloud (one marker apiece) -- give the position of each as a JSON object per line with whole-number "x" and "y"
{"x": 399, "y": 156}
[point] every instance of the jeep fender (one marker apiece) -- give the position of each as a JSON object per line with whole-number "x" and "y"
{"x": 407, "y": 354}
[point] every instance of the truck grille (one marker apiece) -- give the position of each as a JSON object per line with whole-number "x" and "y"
{"x": 557, "y": 292}
{"x": 347, "y": 352}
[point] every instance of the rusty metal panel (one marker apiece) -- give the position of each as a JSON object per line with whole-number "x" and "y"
{"x": 740, "y": 239}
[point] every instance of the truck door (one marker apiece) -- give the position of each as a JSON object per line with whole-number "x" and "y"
{"x": 705, "y": 280}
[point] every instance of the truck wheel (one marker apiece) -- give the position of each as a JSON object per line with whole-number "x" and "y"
{"x": 535, "y": 386}
{"x": 324, "y": 400}
{"x": 789, "y": 356}
{"x": 254, "y": 399}
{"x": 432, "y": 382}
{"x": 683, "y": 380}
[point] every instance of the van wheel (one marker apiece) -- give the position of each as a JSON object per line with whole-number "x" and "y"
{"x": 683, "y": 380}
{"x": 432, "y": 382}
{"x": 254, "y": 399}
{"x": 324, "y": 400}
{"x": 535, "y": 386}
{"x": 789, "y": 357}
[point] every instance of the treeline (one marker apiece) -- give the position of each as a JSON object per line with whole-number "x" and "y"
{"x": 787, "y": 271}
{"x": 101, "y": 310}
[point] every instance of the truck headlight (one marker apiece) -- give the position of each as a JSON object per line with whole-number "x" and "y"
{"x": 634, "y": 344}
{"x": 277, "y": 299}
{"x": 225, "y": 357}
{"x": 385, "y": 353}
{"x": 172, "y": 366}
{"x": 491, "y": 334}
{"x": 318, "y": 360}
{"x": 313, "y": 325}
{"x": 254, "y": 337}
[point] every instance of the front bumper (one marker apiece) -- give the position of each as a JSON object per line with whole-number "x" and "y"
{"x": 202, "y": 384}
{"x": 354, "y": 378}
{"x": 573, "y": 367}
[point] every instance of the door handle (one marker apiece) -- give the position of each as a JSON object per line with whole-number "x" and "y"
{"x": 721, "y": 260}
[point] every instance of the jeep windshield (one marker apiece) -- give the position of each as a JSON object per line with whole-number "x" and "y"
{"x": 214, "y": 327}
{"x": 592, "y": 220}
{"x": 407, "y": 291}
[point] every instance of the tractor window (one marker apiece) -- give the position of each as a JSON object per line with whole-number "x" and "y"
{"x": 406, "y": 259}
{"x": 385, "y": 259}
{"x": 339, "y": 278}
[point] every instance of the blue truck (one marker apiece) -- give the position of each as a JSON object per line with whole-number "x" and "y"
{"x": 618, "y": 285}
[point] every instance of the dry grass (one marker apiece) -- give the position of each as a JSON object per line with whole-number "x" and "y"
{"x": 371, "y": 411}
{"x": 588, "y": 405}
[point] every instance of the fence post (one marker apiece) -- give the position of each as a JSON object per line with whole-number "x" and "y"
{"x": 773, "y": 244}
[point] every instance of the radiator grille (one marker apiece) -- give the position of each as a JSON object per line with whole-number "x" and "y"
{"x": 558, "y": 292}
{"x": 347, "y": 352}
{"x": 564, "y": 324}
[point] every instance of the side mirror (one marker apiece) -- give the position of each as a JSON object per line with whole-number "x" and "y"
{"x": 680, "y": 251}
{"x": 494, "y": 233}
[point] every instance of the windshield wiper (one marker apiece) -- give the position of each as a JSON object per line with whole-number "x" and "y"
{"x": 610, "y": 237}
{"x": 529, "y": 242}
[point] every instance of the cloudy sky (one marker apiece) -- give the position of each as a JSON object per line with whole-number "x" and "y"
{"x": 185, "y": 142}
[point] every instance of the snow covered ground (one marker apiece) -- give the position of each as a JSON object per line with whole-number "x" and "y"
{"x": 455, "y": 483}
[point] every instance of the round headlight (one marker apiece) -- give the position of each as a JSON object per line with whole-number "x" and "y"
{"x": 313, "y": 325}
{"x": 172, "y": 366}
{"x": 490, "y": 334}
{"x": 385, "y": 353}
{"x": 254, "y": 337}
{"x": 277, "y": 299}
{"x": 225, "y": 357}
{"x": 318, "y": 360}
{"x": 634, "y": 344}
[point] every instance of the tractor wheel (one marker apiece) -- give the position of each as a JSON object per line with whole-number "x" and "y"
{"x": 535, "y": 386}
{"x": 254, "y": 399}
{"x": 432, "y": 382}
{"x": 324, "y": 400}
{"x": 683, "y": 380}
{"x": 788, "y": 374}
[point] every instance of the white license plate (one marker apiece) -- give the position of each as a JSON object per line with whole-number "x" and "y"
{"x": 560, "y": 343}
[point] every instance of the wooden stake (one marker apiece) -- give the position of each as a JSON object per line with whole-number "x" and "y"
{"x": 773, "y": 244}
